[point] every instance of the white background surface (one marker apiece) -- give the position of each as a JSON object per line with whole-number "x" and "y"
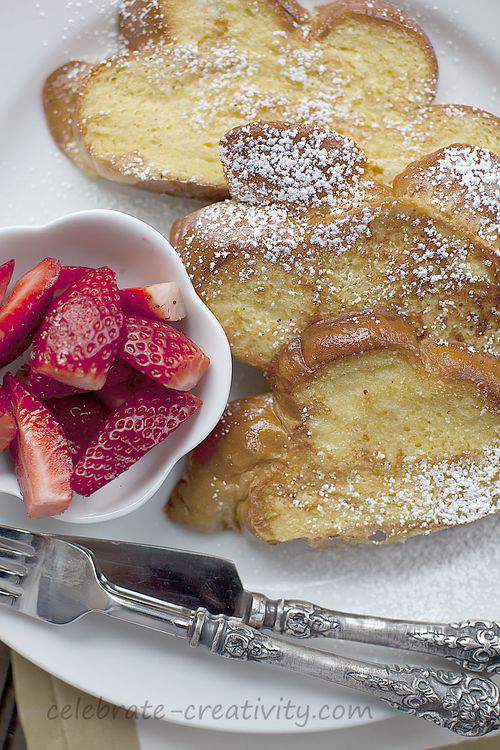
{"x": 445, "y": 576}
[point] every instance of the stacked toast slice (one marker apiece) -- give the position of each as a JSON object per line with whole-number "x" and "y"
{"x": 369, "y": 435}
{"x": 373, "y": 314}
{"x": 153, "y": 114}
{"x": 268, "y": 264}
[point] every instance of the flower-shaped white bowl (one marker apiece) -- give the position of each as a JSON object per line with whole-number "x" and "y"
{"x": 139, "y": 255}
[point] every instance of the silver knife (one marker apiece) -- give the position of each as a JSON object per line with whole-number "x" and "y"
{"x": 57, "y": 581}
{"x": 192, "y": 580}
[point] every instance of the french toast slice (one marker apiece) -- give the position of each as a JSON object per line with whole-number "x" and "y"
{"x": 271, "y": 260}
{"x": 369, "y": 435}
{"x": 153, "y": 115}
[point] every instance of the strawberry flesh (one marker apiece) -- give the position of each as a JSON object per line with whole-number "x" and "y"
{"x": 41, "y": 386}
{"x": 80, "y": 417}
{"x": 41, "y": 454}
{"x": 131, "y": 431}
{"x": 158, "y": 301}
{"x": 24, "y": 308}
{"x": 119, "y": 372}
{"x": 78, "y": 339}
{"x": 114, "y": 393}
{"x": 162, "y": 353}
{"x": 44, "y": 387}
{"x": 6, "y": 271}
{"x": 7, "y": 422}
{"x": 69, "y": 275}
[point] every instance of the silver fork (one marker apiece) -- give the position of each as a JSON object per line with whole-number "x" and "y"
{"x": 57, "y": 581}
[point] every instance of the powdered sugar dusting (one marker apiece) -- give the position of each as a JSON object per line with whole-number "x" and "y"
{"x": 230, "y": 73}
{"x": 280, "y": 163}
{"x": 426, "y": 494}
{"x": 473, "y": 173}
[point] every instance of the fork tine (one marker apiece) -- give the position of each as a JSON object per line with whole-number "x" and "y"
{"x": 21, "y": 535}
{"x": 14, "y": 554}
{"x": 17, "y": 538}
{"x": 14, "y": 548}
{"x": 7, "y": 572}
{"x": 9, "y": 598}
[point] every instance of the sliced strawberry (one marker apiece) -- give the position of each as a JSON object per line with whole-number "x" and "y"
{"x": 158, "y": 301}
{"x": 130, "y": 431}
{"x": 69, "y": 275}
{"x": 80, "y": 417}
{"x": 162, "y": 353}
{"x": 78, "y": 339}
{"x": 112, "y": 394}
{"x": 23, "y": 309}
{"x": 7, "y": 422}
{"x": 41, "y": 454}
{"x": 6, "y": 271}
{"x": 44, "y": 387}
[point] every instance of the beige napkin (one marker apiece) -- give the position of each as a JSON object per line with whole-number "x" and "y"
{"x": 48, "y": 723}
{"x": 39, "y": 696}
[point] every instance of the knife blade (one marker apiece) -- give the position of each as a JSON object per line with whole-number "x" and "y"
{"x": 189, "y": 579}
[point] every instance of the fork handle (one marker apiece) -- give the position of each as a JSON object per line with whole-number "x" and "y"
{"x": 474, "y": 645}
{"x": 466, "y": 704}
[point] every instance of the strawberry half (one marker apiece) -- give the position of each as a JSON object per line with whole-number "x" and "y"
{"x": 41, "y": 454}
{"x": 23, "y": 309}
{"x": 7, "y": 422}
{"x": 69, "y": 275}
{"x": 158, "y": 301}
{"x": 162, "y": 353}
{"x": 6, "y": 271}
{"x": 80, "y": 417}
{"x": 130, "y": 431}
{"x": 78, "y": 339}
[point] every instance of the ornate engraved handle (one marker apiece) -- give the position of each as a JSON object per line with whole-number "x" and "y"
{"x": 466, "y": 704}
{"x": 474, "y": 645}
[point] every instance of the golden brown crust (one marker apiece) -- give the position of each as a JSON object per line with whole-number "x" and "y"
{"x": 296, "y": 164}
{"x": 59, "y": 102}
{"x": 331, "y": 339}
{"x": 460, "y": 183}
{"x": 330, "y": 14}
{"x": 141, "y": 22}
{"x": 127, "y": 171}
{"x": 221, "y": 468}
{"x": 460, "y": 365}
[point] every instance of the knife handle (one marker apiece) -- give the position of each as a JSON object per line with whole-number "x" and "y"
{"x": 466, "y": 704}
{"x": 474, "y": 645}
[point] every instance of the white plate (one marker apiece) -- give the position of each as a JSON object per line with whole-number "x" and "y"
{"x": 445, "y": 576}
